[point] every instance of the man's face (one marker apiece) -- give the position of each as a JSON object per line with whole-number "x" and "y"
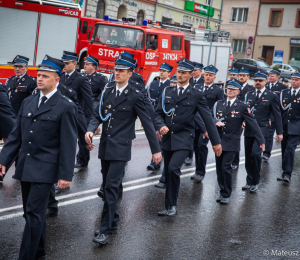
{"x": 122, "y": 75}
{"x": 197, "y": 73}
{"x": 173, "y": 84}
{"x": 295, "y": 83}
{"x": 20, "y": 70}
{"x": 232, "y": 93}
{"x": 233, "y": 76}
{"x": 183, "y": 76}
{"x": 69, "y": 66}
{"x": 286, "y": 83}
{"x": 164, "y": 74}
{"x": 273, "y": 78}
{"x": 152, "y": 38}
{"x": 259, "y": 83}
{"x": 209, "y": 78}
{"x": 47, "y": 80}
{"x": 244, "y": 78}
{"x": 89, "y": 68}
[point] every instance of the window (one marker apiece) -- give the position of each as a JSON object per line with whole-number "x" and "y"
{"x": 151, "y": 42}
{"x": 100, "y": 9}
{"x": 209, "y": 2}
{"x": 84, "y": 27}
{"x": 275, "y": 18}
{"x": 239, "y": 46}
{"x": 285, "y": 67}
{"x": 176, "y": 43}
{"x": 252, "y": 63}
{"x": 140, "y": 17}
{"x": 239, "y": 15}
{"x": 297, "y": 22}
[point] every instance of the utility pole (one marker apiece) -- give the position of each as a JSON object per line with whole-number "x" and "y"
{"x": 208, "y": 15}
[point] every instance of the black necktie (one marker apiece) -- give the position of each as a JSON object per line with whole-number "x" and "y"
{"x": 206, "y": 88}
{"x": 160, "y": 84}
{"x": 228, "y": 106}
{"x": 67, "y": 76}
{"x": 17, "y": 79}
{"x": 118, "y": 94}
{"x": 195, "y": 81}
{"x": 257, "y": 95}
{"x": 294, "y": 93}
{"x": 180, "y": 91}
{"x": 44, "y": 98}
{"x": 272, "y": 85}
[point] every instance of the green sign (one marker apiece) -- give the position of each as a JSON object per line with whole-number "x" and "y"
{"x": 200, "y": 9}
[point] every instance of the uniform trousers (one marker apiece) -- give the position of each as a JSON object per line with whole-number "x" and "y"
{"x": 190, "y": 155}
{"x": 269, "y": 140}
{"x": 202, "y": 155}
{"x": 288, "y": 147}
{"x": 173, "y": 161}
{"x": 224, "y": 172}
{"x": 236, "y": 160}
{"x": 52, "y": 203}
{"x": 253, "y": 160}
{"x": 83, "y": 155}
{"x": 35, "y": 200}
{"x": 112, "y": 178}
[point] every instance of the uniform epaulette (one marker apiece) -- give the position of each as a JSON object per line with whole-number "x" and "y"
{"x": 135, "y": 90}
{"x": 66, "y": 98}
{"x": 69, "y": 89}
{"x": 81, "y": 74}
{"x": 35, "y": 91}
{"x": 197, "y": 86}
{"x": 109, "y": 85}
{"x": 33, "y": 78}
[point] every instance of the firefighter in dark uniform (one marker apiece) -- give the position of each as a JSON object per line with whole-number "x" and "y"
{"x": 233, "y": 74}
{"x": 45, "y": 134}
{"x": 290, "y": 107}
{"x": 231, "y": 114}
{"x": 173, "y": 80}
{"x": 275, "y": 86}
{"x": 197, "y": 78}
{"x": 136, "y": 77}
{"x": 119, "y": 106}
{"x": 285, "y": 81}
{"x": 155, "y": 89}
{"x": 21, "y": 85}
{"x": 212, "y": 94}
{"x": 80, "y": 84}
{"x": 262, "y": 103}
{"x": 244, "y": 76}
{"x": 174, "y": 117}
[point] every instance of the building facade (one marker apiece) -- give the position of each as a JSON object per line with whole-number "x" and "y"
{"x": 198, "y": 13}
{"x": 240, "y": 19}
{"x": 278, "y": 32}
{"x": 140, "y": 10}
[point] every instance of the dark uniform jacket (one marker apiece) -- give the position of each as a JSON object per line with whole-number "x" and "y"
{"x": 233, "y": 119}
{"x": 97, "y": 82}
{"x": 244, "y": 91}
{"x": 138, "y": 78}
{"x": 155, "y": 90}
{"x": 80, "y": 84}
{"x": 277, "y": 90}
{"x": 261, "y": 109}
{"x": 47, "y": 139}
{"x": 290, "y": 107}
{"x": 118, "y": 131}
{"x": 71, "y": 94}
{"x": 19, "y": 90}
{"x": 7, "y": 116}
{"x": 181, "y": 125}
{"x": 199, "y": 81}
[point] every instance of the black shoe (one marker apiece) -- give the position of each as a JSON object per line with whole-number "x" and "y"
{"x": 160, "y": 185}
{"x": 266, "y": 157}
{"x": 150, "y": 167}
{"x": 224, "y": 201}
{"x": 198, "y": 178}
{"x": 246, "y": 187}
{"x": 280, "y": 178}
{"x": 79, "y": 166}
{"x": 51, "y": 213}
{"x": 234, "y": 167}
{"x": 2, "y": 177}
{"x": 113, "y": 230}
{"x": 188, "y": 161}
{"x": 101, "y": 239}
{"x": 253, "y": 188}
{"x": 100, "y": 193}
{"x": 163, "y": 213}
{"x": 172, "y": 212}
{"x": 286, "y": 179}
{"x": 40, "y": 257}
{"x": 194, "y": 176}
{"x": 219, "y": 199}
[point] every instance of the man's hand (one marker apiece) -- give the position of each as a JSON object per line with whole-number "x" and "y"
{"x": 270, "y": 123}
{"x": 98, "y": 130}
{"x": 243, "y": 125}
{"x": 217, "y": 149}
{"x": 164, "y": 130}
{"x": 4, "y": 140}
{"x": 62, "y": 184}
{"x": 88, "y": 137}
{"x": 205, "y": 134}
{"x": 156, "y": 157}
{"x": 262, "y": 146}
{"x": 158, "y": 135}
{"x": 90, "y": 147}
{"x": 2, "y": 170}
{"x": 279, "y": 138}
{"x": 220, "y": 124}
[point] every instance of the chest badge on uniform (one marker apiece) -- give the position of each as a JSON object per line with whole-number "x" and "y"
{"x": 109, "y": 106}
{"x": 235, "y": 104}
{"x": 105, "y": 111}
{"x": 89, "y": 80}
{"x": 265, "y": 93}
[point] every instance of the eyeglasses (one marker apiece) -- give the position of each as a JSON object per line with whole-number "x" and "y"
{"x": 259, "y": 80}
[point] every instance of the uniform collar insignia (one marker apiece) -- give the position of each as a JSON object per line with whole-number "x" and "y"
{"x": 113, "y": 90}
{"x": 235, "y": 104}
{"x": 265, "y": 93}
{"x": 126, "y": 91}
{"x": 23, "y": 79}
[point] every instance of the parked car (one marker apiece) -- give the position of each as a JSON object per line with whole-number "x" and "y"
{"x": 252, "y": 65}
{"x": 286, "y": 70}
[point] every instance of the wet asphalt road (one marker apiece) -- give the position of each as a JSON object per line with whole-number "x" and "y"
{"x": 265, "y": 225}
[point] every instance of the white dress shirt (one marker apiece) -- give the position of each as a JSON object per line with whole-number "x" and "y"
{"x": 261, "y": 92}
{"x": 231, "y": 101}
{"x": 49, "y": 95}
{"x": 120, "y": 89}
{"x": 184, "y": 88}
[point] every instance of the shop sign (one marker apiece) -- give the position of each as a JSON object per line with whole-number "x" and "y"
{"x": 294, "y": 41}
{"x": 200, "y": 9}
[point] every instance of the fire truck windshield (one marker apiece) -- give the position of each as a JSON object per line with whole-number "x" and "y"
{"x": 119, "y": 36}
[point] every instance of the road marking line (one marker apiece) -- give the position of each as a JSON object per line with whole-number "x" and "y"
{"x": 74, "y": 201}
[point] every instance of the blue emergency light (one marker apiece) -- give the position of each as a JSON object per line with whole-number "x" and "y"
{"x": 145, "y": 22}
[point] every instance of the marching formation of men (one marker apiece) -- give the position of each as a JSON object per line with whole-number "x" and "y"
{"x": 42, "y": 119}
